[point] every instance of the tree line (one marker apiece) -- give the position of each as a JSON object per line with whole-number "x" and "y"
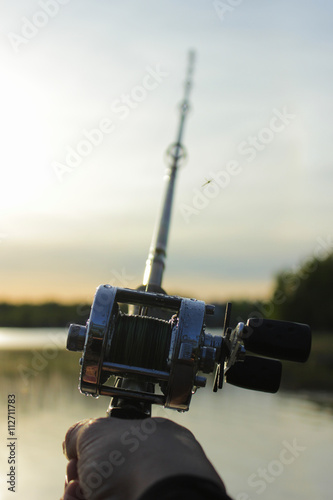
{"x": 304, "y": 296}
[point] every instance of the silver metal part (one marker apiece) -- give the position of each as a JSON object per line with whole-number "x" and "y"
{"x": 208, "y": 358}
{"x": 125, "y": 370}
{"x": 236, "y": 348}
{"x": 98, "y": 326}
{"x": 156, "y": 399}
{"x": 190, "y": 351}
{"x": 76, "y": 337}
{"x": 214, "y": 341}
{"x": 210, "y": 308}
{"x": 185, "y": 356}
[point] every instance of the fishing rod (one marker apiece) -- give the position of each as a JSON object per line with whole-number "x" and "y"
{"x": 160, "y": 352}
{"x": 176, "y": 153}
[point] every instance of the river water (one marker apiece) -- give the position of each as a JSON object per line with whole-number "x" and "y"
{"x": 264, "y": 446}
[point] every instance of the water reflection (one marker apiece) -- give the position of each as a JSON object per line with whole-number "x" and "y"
{"x": 32, "y": 338}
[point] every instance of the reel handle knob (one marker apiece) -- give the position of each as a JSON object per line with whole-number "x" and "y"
{"x": 277, "y": 339}
{"x": 258, "y": 374}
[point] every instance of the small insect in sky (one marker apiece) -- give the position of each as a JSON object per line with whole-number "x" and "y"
{"x": 208, "y": 181}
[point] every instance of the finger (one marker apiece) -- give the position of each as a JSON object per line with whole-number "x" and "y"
{"x": 95, "y": 432}
{"x": 69, "y": 445}
{"x": 71, "y": 471}
{"x": 73, "y": 492}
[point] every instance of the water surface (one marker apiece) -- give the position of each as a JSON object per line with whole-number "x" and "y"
{"x": 248, "y": 436}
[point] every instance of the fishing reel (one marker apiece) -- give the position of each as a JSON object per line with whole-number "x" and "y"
{"x": 165, "y": 359}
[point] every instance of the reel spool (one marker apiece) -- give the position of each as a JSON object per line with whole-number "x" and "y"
{"x": 171, "y": 353}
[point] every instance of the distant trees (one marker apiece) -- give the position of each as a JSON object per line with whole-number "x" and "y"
{"x": 306, "y": 295}
{"x": 49, "y": 314}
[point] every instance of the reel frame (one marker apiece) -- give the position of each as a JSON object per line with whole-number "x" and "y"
{"x": 183, "y": 361}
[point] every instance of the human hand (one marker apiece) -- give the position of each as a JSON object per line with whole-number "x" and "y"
{"x": 111, "y": 458}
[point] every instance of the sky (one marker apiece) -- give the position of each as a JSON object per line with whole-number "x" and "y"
{"x": 89, "y": 104}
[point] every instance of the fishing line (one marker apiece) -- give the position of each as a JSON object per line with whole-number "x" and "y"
{"x": 140, "y": 341}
